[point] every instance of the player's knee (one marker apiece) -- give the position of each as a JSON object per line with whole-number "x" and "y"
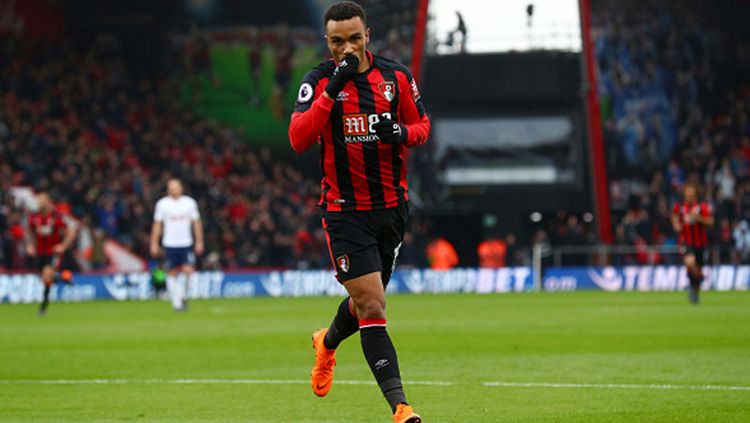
{"x": 48, "y": 274}
{"x": 372, "y": 309}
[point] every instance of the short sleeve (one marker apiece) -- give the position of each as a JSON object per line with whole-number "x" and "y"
{"x": 194, "y": 213}
{"x": 159, "y": 211}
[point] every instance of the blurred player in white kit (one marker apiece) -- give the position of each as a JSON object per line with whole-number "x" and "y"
{"x": 177, "y": 223}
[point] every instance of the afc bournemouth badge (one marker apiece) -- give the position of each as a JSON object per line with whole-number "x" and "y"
{"x": 387, "y": 88}
{"x": 342, "y": 262}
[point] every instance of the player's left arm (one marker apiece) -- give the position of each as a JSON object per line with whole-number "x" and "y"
{"x": 71, "y": 230}
{"x": 705, "y": 217}
{"x": 198, "y": 231}
{"x": 413, "y": 116}
{"x": 675, "y": 218}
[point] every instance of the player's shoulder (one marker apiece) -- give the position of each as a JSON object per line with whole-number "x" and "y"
{"x": 189, "y": 200}
{"x": 385, "y": 63}
{"x": 162, "y": 202}
{"x": 323, "y": 70}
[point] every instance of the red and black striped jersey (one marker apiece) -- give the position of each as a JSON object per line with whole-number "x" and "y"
{"x": 359, "y": 171}
{"x": 693, "y": 234}
{"x": 48, "y": 230}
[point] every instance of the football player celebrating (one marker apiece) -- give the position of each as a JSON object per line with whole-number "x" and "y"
{"x": 365, "y": 112}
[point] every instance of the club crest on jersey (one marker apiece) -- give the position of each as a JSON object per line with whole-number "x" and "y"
{"x": 342, "y": 262}
{"x": 388, "y": 89}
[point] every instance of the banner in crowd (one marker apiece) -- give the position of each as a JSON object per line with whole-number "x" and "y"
{"x": 27, "y": 288}
{"x": 644, "y": 278}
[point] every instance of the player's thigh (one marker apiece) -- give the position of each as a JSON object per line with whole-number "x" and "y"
{"x": 689, "y": 259}
{"x": 48, "y": 274}
{"x": 391, "y": 238}
{"x": 188, "y": 265}
{"x": 353, "y": 245}
{"x": 368, "y": 294}
{"x": 42, "y": 262}
{"x": 700, "y": 257}
{"x": 176, "y": 258}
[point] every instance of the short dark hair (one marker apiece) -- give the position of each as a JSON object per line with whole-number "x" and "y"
{"x": 343, "y": 11}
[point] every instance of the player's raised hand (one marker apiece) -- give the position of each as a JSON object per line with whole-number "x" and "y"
{"x": 344, "y": 72}
{"x": 390, "y": 132}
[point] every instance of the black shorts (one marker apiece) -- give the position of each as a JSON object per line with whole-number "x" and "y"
{"x": 362, "y": 242}
{"x": 42, "y": 261}
{"x": 698, "y": 252}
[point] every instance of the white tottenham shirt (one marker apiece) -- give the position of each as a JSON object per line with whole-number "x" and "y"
{"x": 177, "y": 216}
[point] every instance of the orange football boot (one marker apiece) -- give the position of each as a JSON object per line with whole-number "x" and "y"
{"x": 405, "y": 414}
{"x": 322, "y": 372}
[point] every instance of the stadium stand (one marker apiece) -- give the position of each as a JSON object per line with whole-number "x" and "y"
{"x": 78, "y": 125}
{"x": 672, "y": 113}
{"x": 103, "y": 142}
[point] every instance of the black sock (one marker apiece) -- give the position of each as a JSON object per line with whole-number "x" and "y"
{"x": 45, "y": 299}
{"x": 695, "y": 280}
{"x": 381, "y": 356}
{"x": 344, "y": 325}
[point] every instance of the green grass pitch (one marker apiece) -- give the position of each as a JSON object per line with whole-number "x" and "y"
{"x": 568, "y": 357}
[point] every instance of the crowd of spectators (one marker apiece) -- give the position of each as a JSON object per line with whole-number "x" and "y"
{"x": 668, "y": 121}
{"x": 78, "y": 125}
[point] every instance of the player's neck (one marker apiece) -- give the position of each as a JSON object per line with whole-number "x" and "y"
{"x": 365, "y": 64}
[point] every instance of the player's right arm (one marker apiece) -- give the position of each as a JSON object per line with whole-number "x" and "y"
{"x": 29, "y": 238}
{"x": 676, "y": 225}
{"x": 311, "y": 112}
{"x": 156, "y": 229}
{"x": 155, "y": 237}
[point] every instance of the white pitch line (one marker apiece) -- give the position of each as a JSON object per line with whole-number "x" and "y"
{"x": 615, "y": 386}
{"x": 499, "y": 384}
{"x": 199, "y": 382}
